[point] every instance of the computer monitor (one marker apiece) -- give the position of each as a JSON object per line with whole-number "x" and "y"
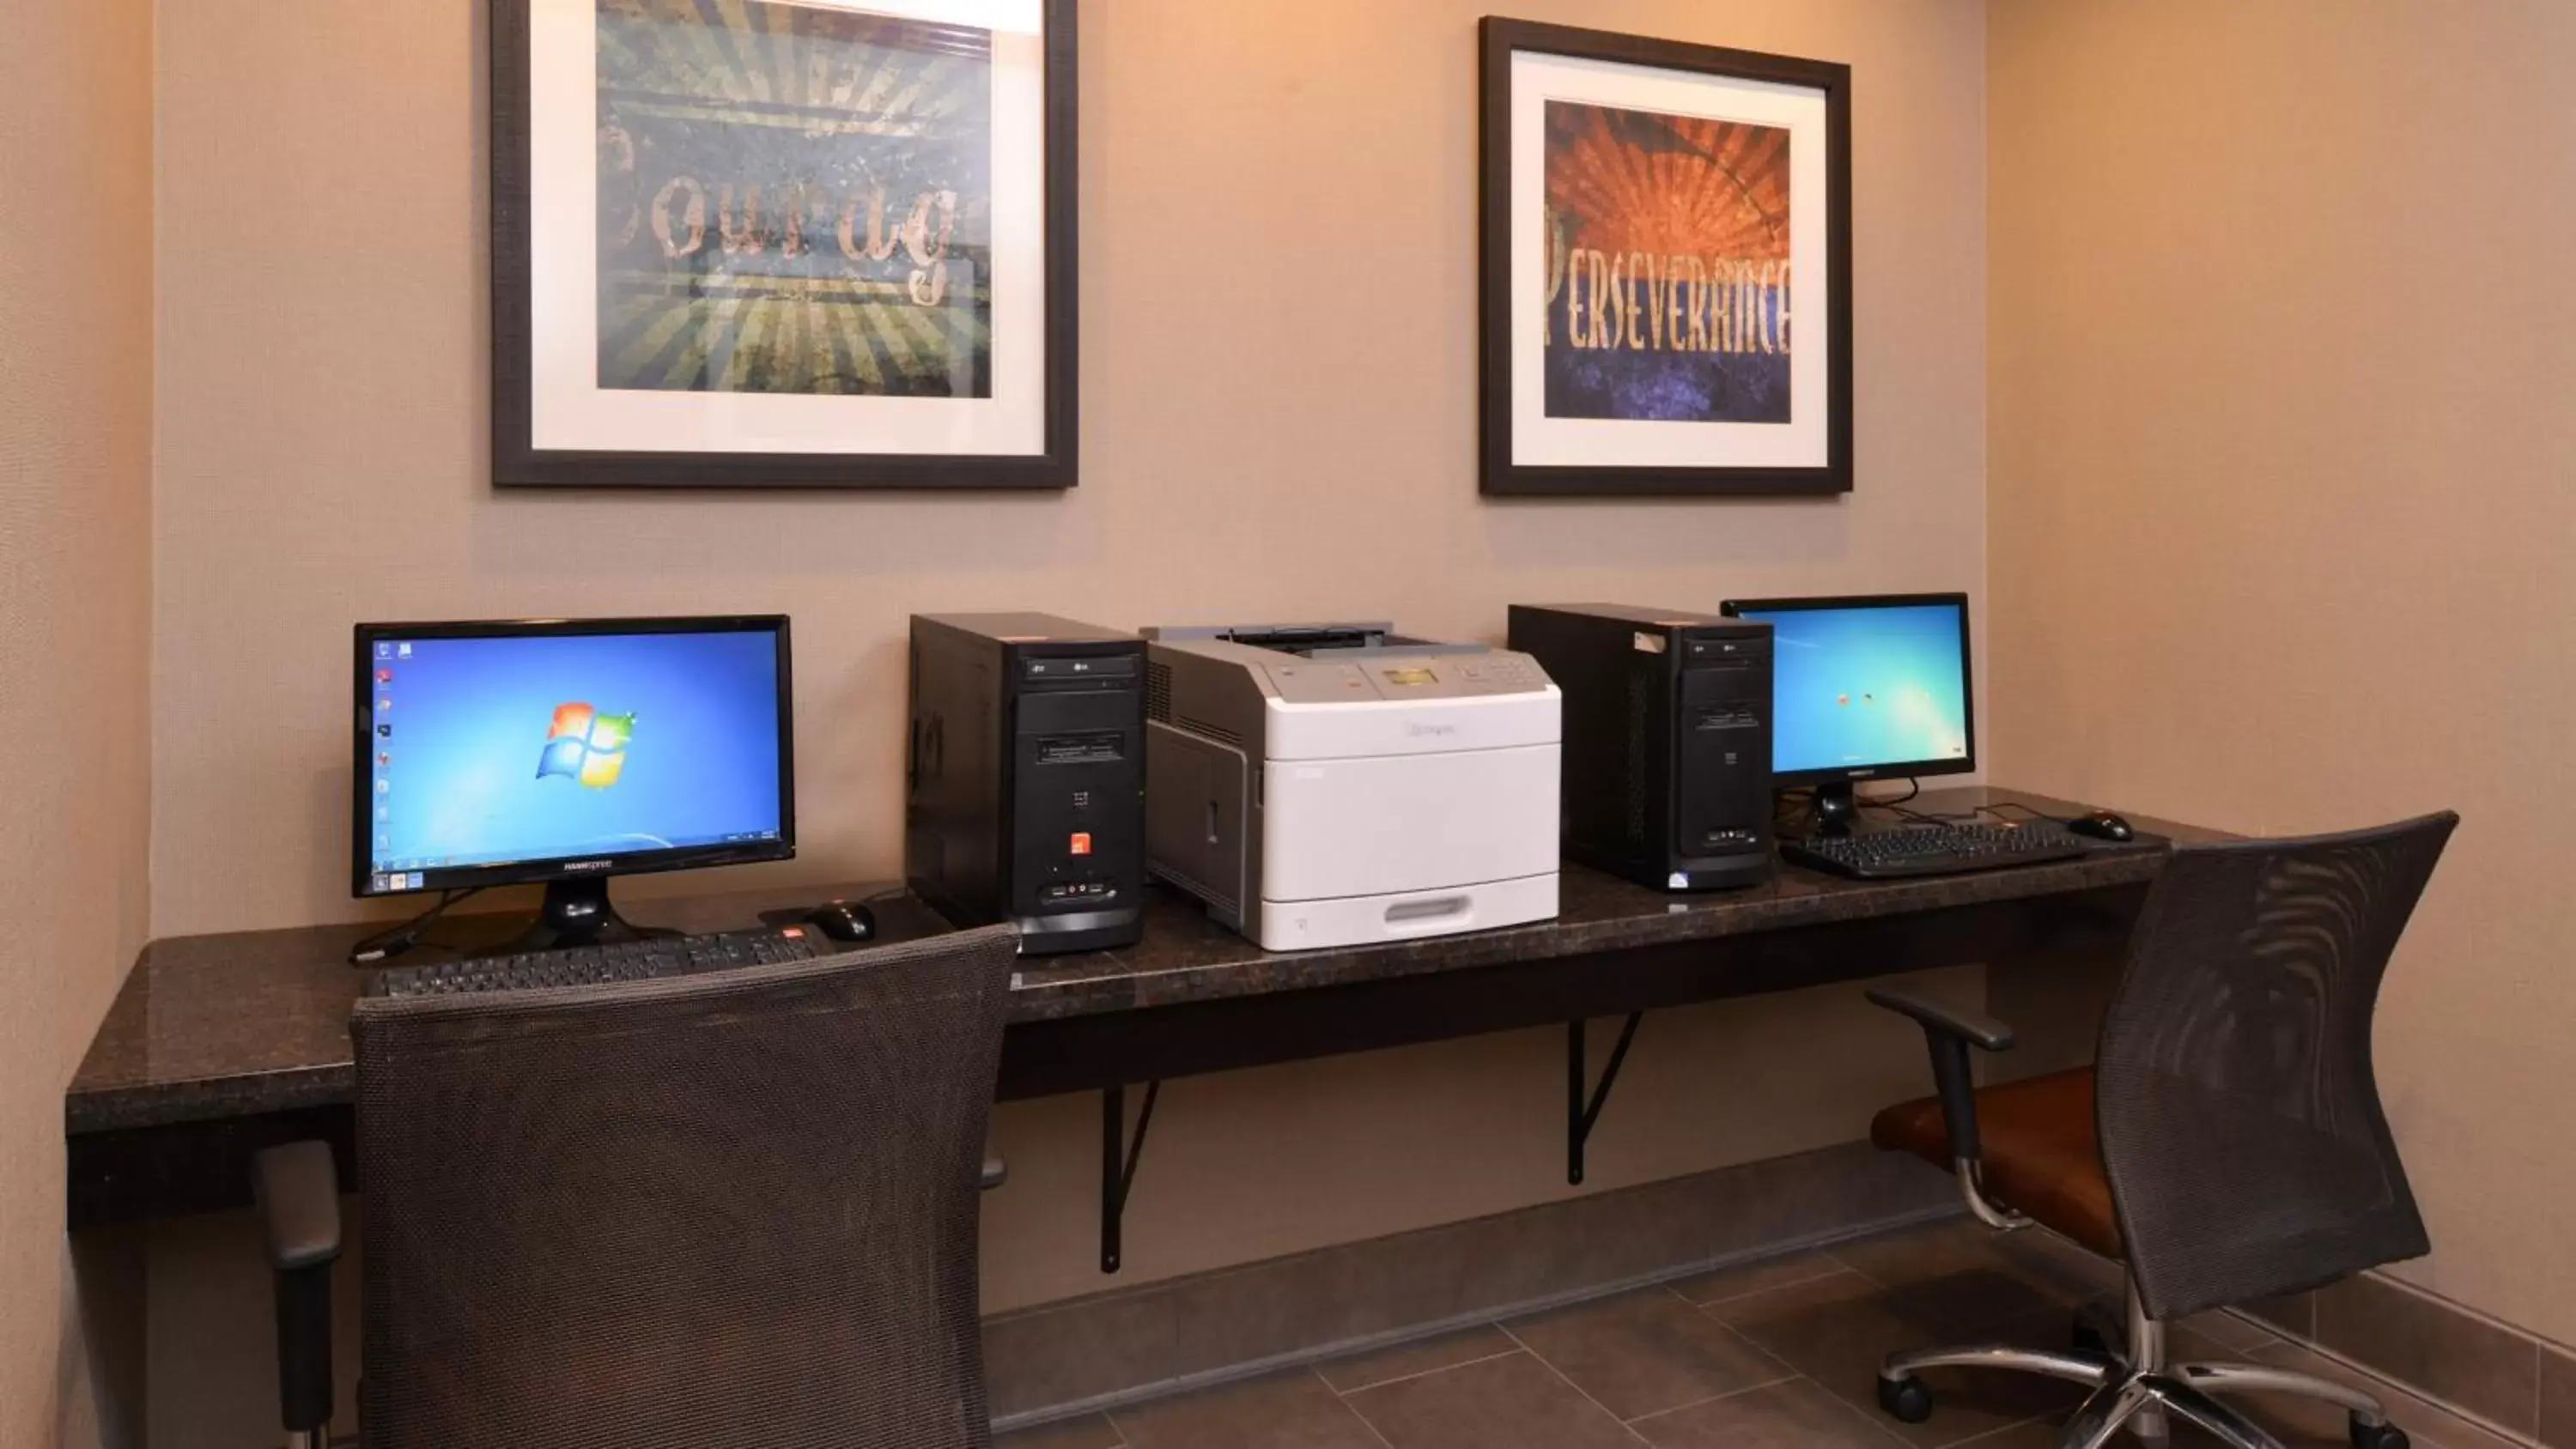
{"x": 1866, "y": 687}
{"x": 568, "y": 752}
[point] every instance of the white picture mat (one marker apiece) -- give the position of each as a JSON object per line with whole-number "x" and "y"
{"x": 570, "y": 411}
{"x": 1541, "y": 441}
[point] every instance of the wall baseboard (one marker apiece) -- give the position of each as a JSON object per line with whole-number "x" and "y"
{"x": 1119, "y": 1347}
{"x": 1108, "y": 1350}
{"x": 2516, "y": 1383}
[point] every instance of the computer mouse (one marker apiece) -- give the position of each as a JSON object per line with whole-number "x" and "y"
{"x": 845, "y": 921}
{"x": 2102, "y": 825}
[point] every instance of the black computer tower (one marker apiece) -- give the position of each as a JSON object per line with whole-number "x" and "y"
{"x": 1025, "y": 796}
{"x": 1667, "y": 739}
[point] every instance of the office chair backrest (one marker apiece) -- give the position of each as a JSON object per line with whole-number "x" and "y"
{"x": 2239, "y": 1115}
{"x": 737, "y": 1208}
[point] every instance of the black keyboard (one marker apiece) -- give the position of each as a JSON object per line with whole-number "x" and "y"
{"x": 1933, "y": 850}
{"x": 593, "y": 965}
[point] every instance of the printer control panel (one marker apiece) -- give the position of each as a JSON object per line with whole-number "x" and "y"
{"x": 1402, "y": 677}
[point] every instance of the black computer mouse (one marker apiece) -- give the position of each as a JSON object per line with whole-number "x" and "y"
{"x": 845, "y": 921}
{"x": 2102, "y": 825}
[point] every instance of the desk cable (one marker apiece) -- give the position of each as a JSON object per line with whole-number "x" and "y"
{"x": 385, "y": 945}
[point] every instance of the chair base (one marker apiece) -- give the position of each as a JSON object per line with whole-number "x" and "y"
{"x": 2137, "y": 1391}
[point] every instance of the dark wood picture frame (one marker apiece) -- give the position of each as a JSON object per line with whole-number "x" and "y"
{"x": 516, "y": 462}
{"x": 1499, "y": 475}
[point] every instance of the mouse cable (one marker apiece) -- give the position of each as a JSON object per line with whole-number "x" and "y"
{"x": 2030, "y": 811}
{"x": 2029, "y": 815}
{"x": 1893, "y": 803}
{"x": 385, "y": 945}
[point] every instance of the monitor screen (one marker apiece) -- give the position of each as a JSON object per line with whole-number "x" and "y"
{"x": 526, "y": 752}
{"x": 1865, "y": 686}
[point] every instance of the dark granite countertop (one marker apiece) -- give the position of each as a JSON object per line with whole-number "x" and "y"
{"x": 218, "y": 1026}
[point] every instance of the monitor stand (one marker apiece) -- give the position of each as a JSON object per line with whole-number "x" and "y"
{"x": 1836, "y": 807}
{"x": 577, "y": 912}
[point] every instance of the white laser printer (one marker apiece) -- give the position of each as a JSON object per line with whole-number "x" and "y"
{"x": 1337, "y": 784}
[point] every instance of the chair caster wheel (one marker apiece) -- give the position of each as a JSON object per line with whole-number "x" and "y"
{"x": 2364, "y": 1436}
{"x": 1909, "y": 1401}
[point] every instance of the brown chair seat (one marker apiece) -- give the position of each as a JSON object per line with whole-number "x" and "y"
{"x": 2041, "y": 1155}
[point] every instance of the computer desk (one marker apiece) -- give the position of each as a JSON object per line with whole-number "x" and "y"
{"x": 220, "y": 1045}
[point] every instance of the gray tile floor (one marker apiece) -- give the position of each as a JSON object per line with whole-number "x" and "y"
{"x": 1778, "y": 1354}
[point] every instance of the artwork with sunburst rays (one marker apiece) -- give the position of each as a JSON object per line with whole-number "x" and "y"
{"x": 784, "y": 243}
{"x": 1667, "y": 267}
{"x": 793, "y": 199}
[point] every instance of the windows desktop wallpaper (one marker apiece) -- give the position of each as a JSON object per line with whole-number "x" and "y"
{"x": 1874, "y": 686}
{"x": 497, "y": 750}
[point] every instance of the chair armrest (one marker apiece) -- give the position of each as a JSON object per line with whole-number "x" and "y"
{"x": 297, "y": 1187}
{"x": 1974, "y": 1028}
{"x": 1948, "y": 1034}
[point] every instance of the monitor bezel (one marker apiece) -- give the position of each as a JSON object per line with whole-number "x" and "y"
{"x": 1894, "y": 770}
{"x": 362, "y": 817}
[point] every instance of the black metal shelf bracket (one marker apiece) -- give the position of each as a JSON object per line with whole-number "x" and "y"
{"x": 1583, "y": 1103}
{"x": 1118, "y": 1158}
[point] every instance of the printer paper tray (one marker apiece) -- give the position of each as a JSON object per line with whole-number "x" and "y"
{"x": 1406, "y": 824}
{"x": 1360, "y": 920}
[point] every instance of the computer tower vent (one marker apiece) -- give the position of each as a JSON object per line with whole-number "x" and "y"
{"x": 1637, "y": 769}
{"x": 1220, "y": 900}
{"x": 1211, "y": 731}
{"x": 1158, "y": 691}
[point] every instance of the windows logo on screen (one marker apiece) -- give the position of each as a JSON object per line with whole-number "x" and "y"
{"x": 585, "y": 745}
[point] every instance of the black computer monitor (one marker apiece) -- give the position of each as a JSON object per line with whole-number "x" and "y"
{"x": 1866, "y": 687}
{"x": 567, "y": 752}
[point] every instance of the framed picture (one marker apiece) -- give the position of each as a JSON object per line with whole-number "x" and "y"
{"x": 799, "y": 243}
{"x": 1666, "y": 273}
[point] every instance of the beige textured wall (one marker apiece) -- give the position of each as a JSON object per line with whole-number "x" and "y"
{"x": 75, "y": 533}
{"x": 2283, "y": 329}
{"x": 1278, "y": 300}
{"x": 1278, "y": 347}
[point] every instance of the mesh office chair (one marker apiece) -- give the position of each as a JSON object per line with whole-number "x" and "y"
{"x": 2228, "y": 1143}
{"x": 736, "y": 1208}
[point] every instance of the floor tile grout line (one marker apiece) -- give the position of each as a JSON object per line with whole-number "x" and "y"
{"x": 1425, "y": 1373}
{"x": 1885, "y": 1434}
{"x": 1103, "y": 1415}
{"x": 1571, "y": 1384}
{"x": 1708, "y": 1311}
{"x": 1353, "y": 1410}
{"x": 1742, "y": 1337}
{"x": 1867, "y": 1278}
{"x": 1837, "y": 1270}
{"x": 1863, "y": 1414}
{"x": 2001, "y": 1429}
{"x": 1793, "y": 1376}
{"x": 1787, "y": 1370}
{"x": 1713, "y": 1303}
